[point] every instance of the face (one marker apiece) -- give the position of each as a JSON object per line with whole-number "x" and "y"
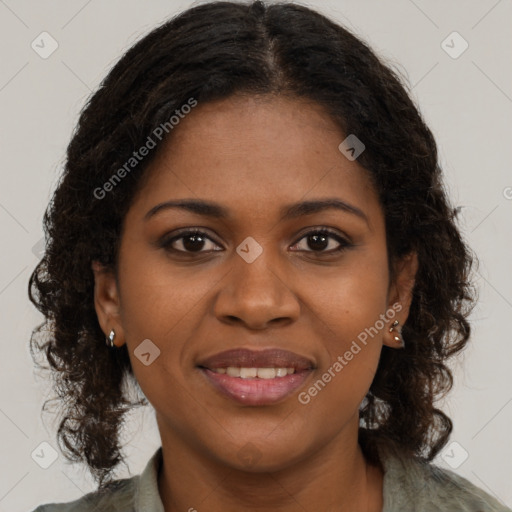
{"x": 311, "y": 281}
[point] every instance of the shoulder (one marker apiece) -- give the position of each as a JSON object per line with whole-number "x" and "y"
{"x": 409, "y": 481}
{"x": 136, "y": 494}
{"x": 117, "y": 496}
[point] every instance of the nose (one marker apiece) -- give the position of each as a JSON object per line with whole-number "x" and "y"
{"x": 257, "y": 295}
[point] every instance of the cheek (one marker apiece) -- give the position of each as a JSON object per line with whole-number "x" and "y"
{"x": 153, "y": 298}
{"x": 352, "y": 297}
{"x": 350, "y": 314}
{"x": 352, "y": 346}
{"x": 164, "y": 306}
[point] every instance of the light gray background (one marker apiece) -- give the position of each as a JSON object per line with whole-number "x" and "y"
{"x": 466, "y": 101}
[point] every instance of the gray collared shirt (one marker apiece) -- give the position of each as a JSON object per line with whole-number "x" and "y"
{"x": 409, "y": 486}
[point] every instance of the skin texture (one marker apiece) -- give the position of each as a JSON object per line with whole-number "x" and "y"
{"x": 253, "y": 156}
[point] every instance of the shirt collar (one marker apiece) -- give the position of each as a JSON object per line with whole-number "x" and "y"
{"x": 147, "y": 497}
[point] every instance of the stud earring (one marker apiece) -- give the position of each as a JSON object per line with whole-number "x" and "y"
{"x": 110, "y": 339}
{"x": 397, "y": 336}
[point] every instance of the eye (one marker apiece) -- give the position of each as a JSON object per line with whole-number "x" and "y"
{"x": 318, "y": 239}
{"x": 191, "y": 241}
{"x": 194, "y": 241}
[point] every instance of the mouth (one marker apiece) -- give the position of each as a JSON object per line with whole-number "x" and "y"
{"x": 256, "y": 377}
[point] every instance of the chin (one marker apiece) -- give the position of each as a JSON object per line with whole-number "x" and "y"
{"x": 263, "y": 456}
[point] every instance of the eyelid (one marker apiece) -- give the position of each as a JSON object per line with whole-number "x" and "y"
{"x": 334, "y": 232}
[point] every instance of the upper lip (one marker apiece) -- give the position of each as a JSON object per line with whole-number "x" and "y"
{"x": 268, "y": 358}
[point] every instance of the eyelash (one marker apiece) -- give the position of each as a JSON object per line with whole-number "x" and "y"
{"x": 166, "y": 243}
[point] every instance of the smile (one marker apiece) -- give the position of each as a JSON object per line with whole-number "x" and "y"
{"x": 256, "y": 386}
{"x": 256, "y": 377}
{"x": 260, "y": 373}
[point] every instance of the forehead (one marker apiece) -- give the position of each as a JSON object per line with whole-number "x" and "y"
{"x": 255, "y": 155}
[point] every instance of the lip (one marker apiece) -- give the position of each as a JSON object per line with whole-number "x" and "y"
{"x": 257, "y": 391}
{"x": 268, "y": 358}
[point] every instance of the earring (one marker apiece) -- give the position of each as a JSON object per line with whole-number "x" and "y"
{"x": 110, "y": 339}
{"x": 397, "y": 334}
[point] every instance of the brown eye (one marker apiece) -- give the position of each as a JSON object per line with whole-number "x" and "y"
{"x": 191, "y": 242}
{"x": 321, "y": 239}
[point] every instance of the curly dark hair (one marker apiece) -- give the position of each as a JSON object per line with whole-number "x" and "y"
{"x": 210, "y": 52}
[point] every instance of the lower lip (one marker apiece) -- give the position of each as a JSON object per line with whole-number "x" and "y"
{"x": 256, "y": 391}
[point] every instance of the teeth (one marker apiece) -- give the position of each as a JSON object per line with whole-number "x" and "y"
{"x": 247, "y": 373}
{"x": 250, "y": 373}
{"x": 265, "y": 373}
{"x": 233, "y": 372}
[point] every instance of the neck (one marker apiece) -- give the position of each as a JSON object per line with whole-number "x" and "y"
{"x": 335, "y": 477}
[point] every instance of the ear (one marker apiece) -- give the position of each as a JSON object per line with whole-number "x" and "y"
{"x": 400, "y": 294}
{"x": 106, "y": 301}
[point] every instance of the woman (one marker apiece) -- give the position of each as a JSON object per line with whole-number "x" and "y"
{"x": 252, "y": 228}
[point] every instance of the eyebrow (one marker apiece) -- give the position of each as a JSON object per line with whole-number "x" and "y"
{"x": 287, "y": 212}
